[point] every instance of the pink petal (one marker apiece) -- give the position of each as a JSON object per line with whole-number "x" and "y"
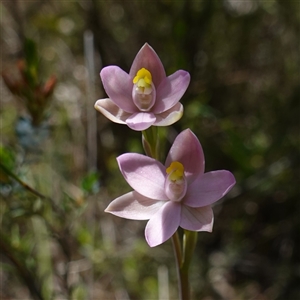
{"x": 163, "y": 224}
{"x": 209, "y": 188}
{"x": 141, "y": 120}
{"x": 197, "y": 219}
{"x": 170, "y": 116}
{"x": 148, "y": 59}
{"x": 170, "y": 91}
{"x": 118, "y": 86}
{"x": 187, "y": 150}
{"x": 144, "y": 174}
{"x": 134, "y": 206}
{"x": 111, "y": 111}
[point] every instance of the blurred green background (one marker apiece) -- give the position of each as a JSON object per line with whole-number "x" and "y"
{"x": 58, "y": 167}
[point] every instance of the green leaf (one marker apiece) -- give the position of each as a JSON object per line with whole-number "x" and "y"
{"x": 32, "y": 62}
{"x": 31, "y": 53}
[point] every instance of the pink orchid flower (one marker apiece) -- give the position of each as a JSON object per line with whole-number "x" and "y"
{"x": 178, "y": 193}
{"x": 145, "y": 96}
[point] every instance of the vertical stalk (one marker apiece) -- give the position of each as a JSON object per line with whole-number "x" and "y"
{"x": 150, "y": 140}
{"x": 183, "y": 260}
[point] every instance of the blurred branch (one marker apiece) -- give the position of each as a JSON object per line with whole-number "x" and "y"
{"x": 24, "y": 273}
{"x": 22, "y": 183}
{"x": 29, "y": 188}
{"x": 61, "y": 238}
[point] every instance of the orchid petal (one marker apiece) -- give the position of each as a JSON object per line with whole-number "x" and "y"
{"x": 118, "y": 86}
{"x": 141, "y": 120}
{"x": 170, "y": 116}
{"x": 209, "y": 188}
{"x": 163, "y": 224}
{"x": 144, "y": 174}
{"x": 111, "y": 111}
{"x": 187, "y": 150}
{"x": 148, "y": 59}
{"x": 170, "y": 91}
{"x": 197, "y": 219}
{"x": 134, "y": 206}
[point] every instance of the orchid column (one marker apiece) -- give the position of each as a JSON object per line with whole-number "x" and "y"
{"x": 177, "y": 193}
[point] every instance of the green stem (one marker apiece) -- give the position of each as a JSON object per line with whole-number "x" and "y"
{"x": 150, "y": 141}
{"x": 182, "y": 279}
{"x": 189, "y": 244}
{"x": 177, "y": 249}
{"x": 183, "y": 260}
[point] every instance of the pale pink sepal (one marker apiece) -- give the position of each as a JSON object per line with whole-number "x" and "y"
{"x": 197, "y": 219}
{"x": 209, "y": 188}
{"x": 144, "y": 174}
{"x": 118, "y": 86}
{"x": 148, "y": 59}
{"x": 111, "y": 111}
{"x": 141, "y": 120}
{"x": 134, "y": 206}
{"x": 170, "y": 116}
{"x": 187, "y": 150}
{"x": 163, "y": 224}
{"x": 171, "y": 90}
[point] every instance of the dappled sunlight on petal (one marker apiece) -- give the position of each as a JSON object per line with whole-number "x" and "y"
{"x": 209, "y": 188}
{"x": 163, "y": 224}
{"x": 111, "y": 111}
{"x": 144, "y": 174}
{"x": 170, "y": 116}
{"x": 118, "y": 86}
{"x": 197, "y": 219}
{"x": 171, "y": 90}
{"x": 134, "y": 206}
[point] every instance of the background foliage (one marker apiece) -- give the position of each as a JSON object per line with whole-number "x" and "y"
{"x": 243, "y": 104}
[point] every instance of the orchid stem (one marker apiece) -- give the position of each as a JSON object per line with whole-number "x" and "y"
{"x": 151, "y": 142}
{"x": 183, "y": 260}
{"x": 177, "y": 249}
{"x": 178, "y": 258}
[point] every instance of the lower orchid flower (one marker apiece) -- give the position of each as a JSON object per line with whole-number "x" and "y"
{"x": 145, "y": 96}
{"x": 178, "y": 193}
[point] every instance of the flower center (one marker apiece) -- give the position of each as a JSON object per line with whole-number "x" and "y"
{"x": 175, "y": 184}
{"x": 143, "y": 92}
{"x": 176, "y": 170}
{"x": 143, "y": 79}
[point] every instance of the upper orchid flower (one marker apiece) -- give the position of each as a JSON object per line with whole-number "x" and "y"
{"x": 178, "y": 193}
{"x": 145, "y": 96}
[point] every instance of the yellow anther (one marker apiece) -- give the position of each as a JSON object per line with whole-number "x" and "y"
{"x": 176, "y": 170}
{"x": 143, "y": 78}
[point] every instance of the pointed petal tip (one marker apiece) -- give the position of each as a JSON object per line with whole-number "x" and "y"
{"x": 147, "y": 58}
{"x": 146, "y": 45}
{"x": 209, "y": 227}
{"x": 151, "y": 243}
{"x": 231, "y": 181}
{"x": 111, "y": 111}
{"x": 98, "y": 105}
{"x": 191, "y": 157}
